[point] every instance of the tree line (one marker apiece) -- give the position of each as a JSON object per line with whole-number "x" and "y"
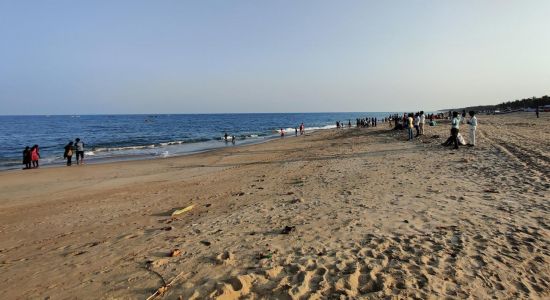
{"x": 513, "y": 105}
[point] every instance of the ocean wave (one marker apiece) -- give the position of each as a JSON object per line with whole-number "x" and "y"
{"x": 172, "y": 143}
{"x": 103, "y": 149}
{"x": 320, "y": 128}
{"x": 109, "y": 149}
{"x": 292, "y": 130}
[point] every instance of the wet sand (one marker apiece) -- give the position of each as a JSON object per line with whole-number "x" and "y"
{"x": 370, "y": 215}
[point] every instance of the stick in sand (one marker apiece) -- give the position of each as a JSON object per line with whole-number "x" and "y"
{"x": 161, "y": 290}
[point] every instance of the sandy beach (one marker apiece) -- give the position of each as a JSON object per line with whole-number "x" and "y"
{"x": 369, "y": 216}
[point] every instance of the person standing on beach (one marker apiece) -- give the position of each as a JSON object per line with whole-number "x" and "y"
{"x": 225, "y": 136}
{"x": 422, "y": 122}
{"x": 282, "y": 133}
{"x": 455, "y": 124}
{"x": 79, "y": 145}
{"x": 68, "y": 154}
{"x": 473, "y": 127}
{"x": 417, "y": 124}
{"x": 410, "y": 126}
{"x": 537, "y": 111}
{"x": 302, "y": 128}
{"x": 27, "y": 158}
{"x": 295, "y": 131}
{"x": 35, "y": 156}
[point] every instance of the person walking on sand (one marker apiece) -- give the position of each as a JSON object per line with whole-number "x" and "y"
{"x": 302, "y": 128}
{"x": 27, "y": 158}
{"x": 35, "y": 156}
{"x": 473, "y": 127}
{"x": 537, "y": 111}
{"x": 295, "y": 131}
{"x": 410, "y": 126}
{"x": 422, "y": 122}
{"x": 79, "y": 145}
{"x": 68, "y": 154}
{"x": 455, "y": 124}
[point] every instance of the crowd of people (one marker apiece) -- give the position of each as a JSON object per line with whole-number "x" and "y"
{"x": 368, "y": 122}
{"x": 413, "y": 123}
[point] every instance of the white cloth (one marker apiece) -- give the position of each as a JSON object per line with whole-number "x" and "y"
{"x": 461, "y": 139}
{"x": 422, "y": 119}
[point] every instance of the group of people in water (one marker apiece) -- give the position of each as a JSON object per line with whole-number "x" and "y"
{"x": 227, "y": 138}
{"x": 76, "y": 147}
{"x": 31, "y": 155}
{"x": 301, "y": 129}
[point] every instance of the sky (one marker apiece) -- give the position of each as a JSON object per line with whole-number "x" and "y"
{"x": 222, "y": 56}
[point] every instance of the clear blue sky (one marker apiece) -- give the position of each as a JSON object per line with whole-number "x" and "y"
{"x": 88, "y": 57}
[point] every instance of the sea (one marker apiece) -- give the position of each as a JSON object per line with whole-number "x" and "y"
{"x": 127, "y": 137}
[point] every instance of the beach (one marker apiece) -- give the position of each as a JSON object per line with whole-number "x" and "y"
{"x": 367, "y": 216}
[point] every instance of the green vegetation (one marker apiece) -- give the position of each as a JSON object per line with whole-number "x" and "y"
{"x": 513, "y": 105}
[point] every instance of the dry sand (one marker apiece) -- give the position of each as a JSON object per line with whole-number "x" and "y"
{"x": 374, "y": 216}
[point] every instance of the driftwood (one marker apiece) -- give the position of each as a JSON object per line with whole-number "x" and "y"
{"x": 161, "y": 290}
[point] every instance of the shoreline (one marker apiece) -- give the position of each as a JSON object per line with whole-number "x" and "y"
{"x": 195, "y": 147}
{"x": 158, "y": 135}
{"x": 369, "y": 215}
{"x": 130, "y": 158}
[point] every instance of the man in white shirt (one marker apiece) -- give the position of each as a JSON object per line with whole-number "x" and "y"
{"x": 79, "y": 146}
{"x": 473, "y": 127}
{"x": 455, "y": 124}
{"x": 422, "y": 121}
{"x": 417, "y": 124}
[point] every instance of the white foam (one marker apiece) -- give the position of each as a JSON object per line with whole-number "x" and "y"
{"x": 320, "y": 128}
{"x": 172, "y": 143}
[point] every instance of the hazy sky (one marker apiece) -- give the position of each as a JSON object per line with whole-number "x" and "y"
{"x": 79, "y": 57}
